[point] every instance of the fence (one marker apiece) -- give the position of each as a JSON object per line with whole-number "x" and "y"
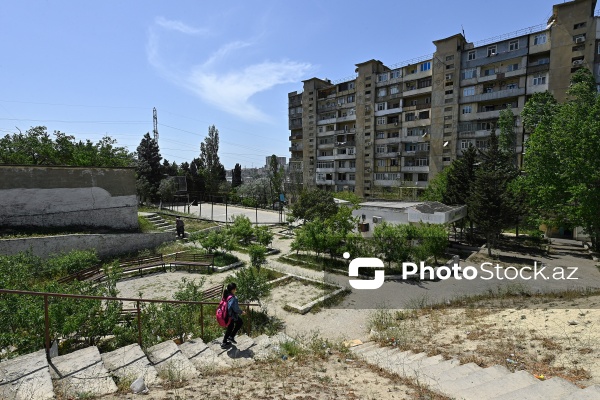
{"x": 138, "y": 312}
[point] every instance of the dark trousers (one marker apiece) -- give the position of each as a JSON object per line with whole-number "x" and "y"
{"x": 233, "y": 328}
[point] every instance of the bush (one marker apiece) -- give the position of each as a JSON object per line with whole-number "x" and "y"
{"x": 257, "y": 255}
{"x": 241, "y": 228}
{"x": 263, "y": 235}
{"x": 252, "y": 284}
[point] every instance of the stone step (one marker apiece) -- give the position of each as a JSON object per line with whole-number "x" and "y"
{"x": 236, "y": 354}
{"x": 453, "y": 387}
{"x": 434, "y": 380}
{"x": 26, "y": 377}
{"x": 552, "y": 389}
{"x": 81, "y": 373}
{"x": 496, "y": 387}
{"x": 170, "y": 362}
{"x": 414, "y": 369}
{"x": 202, "y": 356}
{"x": 130, "y": 363}
{"x": 589, "y": 393}
{"x": 437, "y": 370}
{"x": 364, "y": 347}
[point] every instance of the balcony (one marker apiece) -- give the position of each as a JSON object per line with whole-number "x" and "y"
{"x": 297, "y": 147}
{"x": 493, "y": 95}
{"x": 345, "y": 156}
{"x": 416, "y": 91}
{"x": 391, "y": 154}
{"x": 325, "y": 170}
{"x": 346, "y": 118}
{"x": 295, "y": 137}
{"x": 393, "y": 125}
{"x": 327, "y": 182}
{"x": 415, "y": 169}
{"x": 535, "y": 68}
{"x": 381, "y": 113}
{"x": 413, "y": 139}
{"x": 345, "y": 131}
{"x": 295, "y": 125}
{"x": 387, "y": 140}
{"x": 417, "y": 122}
{"x": 473, "y": 134}
{"x": 348, "y": 143}
{"x": 417, "y": 75}
{"x": 325, "y": 146}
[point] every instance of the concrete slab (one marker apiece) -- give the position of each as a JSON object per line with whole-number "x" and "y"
{"x": 26, "y": 377}
{"x": 201, "y": 355}
{"x": 170, "y": 362}
{"x": 496, "y": 387}
{"x": 81, "y": 373}
{"x": 552, "y": 389}
{"x": 129, "y": 363}
{"x": 452, "y": 388}
{"x": 589, "y": 393}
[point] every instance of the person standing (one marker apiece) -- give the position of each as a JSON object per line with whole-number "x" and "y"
{"x": 179, "y": 226}
{"x": 234, "y": 313}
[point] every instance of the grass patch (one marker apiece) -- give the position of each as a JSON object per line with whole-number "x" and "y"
{"x": 145, "y": 225}
{"x": 225, "y": 259}
{"x": 315, "y": 263}
{"x": 191, "y": 224}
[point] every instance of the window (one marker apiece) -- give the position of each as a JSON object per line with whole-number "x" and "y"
{"x": 393, "y": 135}
{"x": 394, "y": 162}
{"x": 579, "y": 38}
{"x": 351, "y": 177}
{"x": 450, "y": 66}
{"x": 450, "y": 58}
{"x": 341, "y": 177}
{"x": 513, "y": 45}
{"x": 426, "y": 66}
{"x": 409, "y": 116}
{"x": 471, "y": 55}
{"x": 512, "y": 85}
{"x": 350, "y": 85}
{"x": 422, "y": 162}
{"x": 410, "y": 147}
{"x": 491, "y": 50}
{"x": 539, "y": 39}
{"x": 422, "y": 177}
{"x": 539, "y": 79}
{"x": 325, "y": 164}
{"x": 449, "y": 91}
{"x": 382, "y": 92}
{"x": 423, "y": 83}
{"x": 446, "y": 109}
{"x": 352, "y": 164}
{"x": 380, "y": 121}
{"x": 380, "y": 135}
{"x": 489, "y": 72}
{"x": 579, "y": 25}
{"x": 512, "y": 67}
{"x": 395, "y": 74}
{"x": 380, "y": 106}
{"x": 598, "y": 48}
{"x": 465, "y": 144}
{"x": 469, "y": 73}
{"x": 381, "y": 163}
{"x": 449, "y": 77}
{"x": 350, "y": 99}
{"x": 469, "y": 91}
{"x": 394, "y": 90}
{"x": 351, "y": 151}
{"x": 382, "y": 77}
{"x": 467, "y": 110}
{"x": 424, "y": 114}
{"x": 481, "y": 144}
{"x": 341, "y": 164}
{"x": 380, "y": 149}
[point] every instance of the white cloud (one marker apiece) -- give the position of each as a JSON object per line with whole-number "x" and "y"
{"x": 179, "y": 26}
{"x": 229, "y": 90}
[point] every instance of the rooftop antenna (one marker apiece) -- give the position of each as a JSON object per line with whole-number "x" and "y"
{"x": 155, "y": 122}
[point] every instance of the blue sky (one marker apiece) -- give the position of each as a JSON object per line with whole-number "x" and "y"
{"x": 91, "y": 68}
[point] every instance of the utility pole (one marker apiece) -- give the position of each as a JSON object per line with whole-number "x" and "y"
{"x": 155, "y": 122}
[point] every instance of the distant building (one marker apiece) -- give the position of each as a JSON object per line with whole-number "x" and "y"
{"x": 280, "y": 160}
{"x": 392, "y": 126}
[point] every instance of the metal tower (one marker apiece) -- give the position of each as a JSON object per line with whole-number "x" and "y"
{"x": 155, "y": 121}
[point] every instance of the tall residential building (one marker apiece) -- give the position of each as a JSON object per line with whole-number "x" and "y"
{"x": 399, "y": 125}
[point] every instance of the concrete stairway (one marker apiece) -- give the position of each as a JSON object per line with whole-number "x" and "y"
{"x": 469, "y": 381}
{"x": 86, "y": 372}
{"x": 159, "y": 222}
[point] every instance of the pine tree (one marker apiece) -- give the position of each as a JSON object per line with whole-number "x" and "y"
{"x": 236, "y": 176}
{"x": 209, "y": 164}
{"x": 148, "y": 168}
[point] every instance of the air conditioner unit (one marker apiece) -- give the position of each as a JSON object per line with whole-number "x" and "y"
{"x": 577, "y": 62}
{"x": 580, "y": 39}
{"x": 377, "y": 220}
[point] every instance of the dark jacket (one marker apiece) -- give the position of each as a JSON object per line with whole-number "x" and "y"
{"x": 233, "y": 308}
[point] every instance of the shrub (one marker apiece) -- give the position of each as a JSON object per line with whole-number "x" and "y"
{"x": 252, "y": 284}
{"x": 241, "y": 228}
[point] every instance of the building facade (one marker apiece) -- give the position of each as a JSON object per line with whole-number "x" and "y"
{"x": 397, "y": 126}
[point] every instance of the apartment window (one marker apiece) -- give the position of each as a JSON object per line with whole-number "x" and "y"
{"x": 350, "y": 99}
{"x": 351, "y": 177}
{"x": 341, "y": 101}
{"x": 325, "y": 164}
{"x": 446, "y": 109}
{"x": 382, "y": 92}
{"x": 447, "y": 117}
{"x": 409, "y": 116}
{"x": 341, "y": 177}
{"x": 467, "y": 109}
{"x": 539, "y": 39}
{"x": 598, "y": 48}
{"x": 513, "y": 45}
{"x": 469, "y": 73}
{"x": 465, "y": 144}
{"x": 380, "y": 106}
{"x": 426, "y": 66}
{"x": 449, "y": 91}
{"x": 492, "y": 50}
{"x": 450, "y": 66}
{"x": 353, "y": 164}
{"x": 380, "y": 135}
{"x": 512, "y": 67}
{"x": 449, "y": 77}
{"x": 351, "y": 151}
{"x": 394, "y": 90}
{"x": 380, "y": 121}
{"x": 320, "y": 176}
{"x": 424, "y": 114}
{"x": 350, "y": 85}
{"x": 539, "y": 79}
{"x": 422, "y": 162}
{"x": 423, "y": 83}
{"x": 341, "y": 164}
{"x": 381, "y": 163}
{"x": 579, "y": 38}
{"x": 380, "y": 149}
{"x": 395, "y": 74}
{"x": 469, "y": 91}
{"x": 382, "y": 77}
{"x": 422, "y": 177}
{"x": 512, "y": 85}
{"x": 447, "y": 126}
{"x": 471, "y": 55}
{"x": 482, "y": 144}
{"x": 410, "y": 147}
{"x": 579, "y": 25}
{"x": 330, "y": 128}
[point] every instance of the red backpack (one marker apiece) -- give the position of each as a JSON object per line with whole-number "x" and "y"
{"x": 222, "y": 318}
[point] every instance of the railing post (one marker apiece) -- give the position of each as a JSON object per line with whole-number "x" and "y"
{"x": 139, "y": 322}
{"x": 202, "y": 321}
{"x": 249, "y": 320}
{"x": 46, "y": 327}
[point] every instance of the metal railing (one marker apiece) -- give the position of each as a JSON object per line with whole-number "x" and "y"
{"x": 511, "y": 35}
{"x": 138, "y": 311}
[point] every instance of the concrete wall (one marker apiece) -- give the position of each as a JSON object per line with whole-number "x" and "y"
{"x": 106, "y": 245}
{"x": 45, "y": 196}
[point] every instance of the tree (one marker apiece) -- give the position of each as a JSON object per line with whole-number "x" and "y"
{"x": 433, "y": 241}
{"x": 507, "y": 140}
{"x": 252, "y": 284}
{"x": 391, "y": 242}
{"x": 276, "y": 175}
{"x": 236, "y": 176}
{"x": 263, "y": 235}
{"x": 148, "y": 167}
{"x": 257, "y": 255}
{"x": 314, "y": 204}
{"x": 460, "y": 179}
{"x": 490, "y": 202}
{"x": 241, "y": 228}
{"x": 167, "y": 189}
{"x": 562, "y": 167}
{"x": 209, "y": 162}
{"x": 438, "y": 186}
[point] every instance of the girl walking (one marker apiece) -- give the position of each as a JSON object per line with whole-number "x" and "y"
{"x": 234, "y": 314}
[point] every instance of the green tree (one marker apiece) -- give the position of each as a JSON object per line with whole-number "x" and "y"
{"x": 241, "y": 228}
{"x": 263, "y": 235}
{"x": 391, "y": 242}
{"x": 490, "y": 201}
{"x": 562, "y": 167}
{"x": 314, "y": 204}
{"x": 167, "y": 189}
{"x": 460, "y": 179}
{"x": 236, "y": 176}
{"x": 209, "y": 162}
{"x": 252, "y": 284}
{"x": 507, "y": 139}
{"x": 148, "y": 168}
{"x": 276, "y": 175}
{"x": 438, "y": 186}
{"x": 257, "y": 255}
{"x": 433, "y": 241}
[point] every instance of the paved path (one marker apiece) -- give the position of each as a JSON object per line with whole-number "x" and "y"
{"x": 220, "y": 213}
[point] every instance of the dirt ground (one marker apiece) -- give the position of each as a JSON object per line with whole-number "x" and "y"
{"x": 315, "y": 379}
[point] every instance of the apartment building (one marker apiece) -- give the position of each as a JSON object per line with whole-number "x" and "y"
{"x": 399, "y": 125}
